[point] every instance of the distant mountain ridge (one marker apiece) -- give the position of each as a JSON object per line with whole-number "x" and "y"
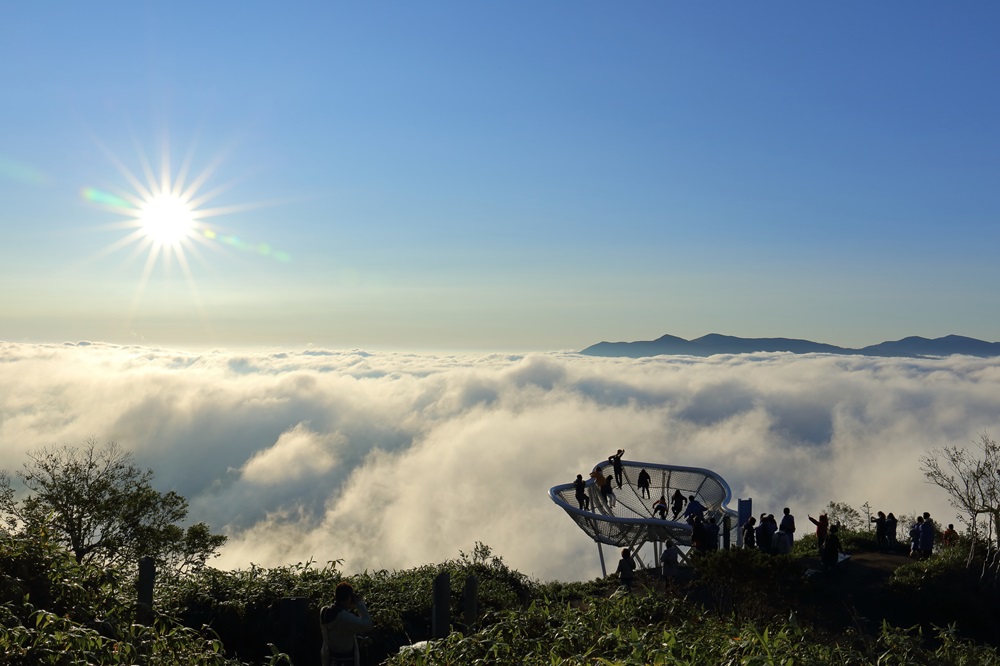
{"x": 713, "y": 343}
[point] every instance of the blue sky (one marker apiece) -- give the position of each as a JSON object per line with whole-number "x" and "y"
{"x": 505, "y": 176}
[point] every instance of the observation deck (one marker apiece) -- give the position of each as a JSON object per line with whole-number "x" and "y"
{"x": 631, "y": 522}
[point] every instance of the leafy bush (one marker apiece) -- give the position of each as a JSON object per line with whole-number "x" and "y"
{"x": 749, "y": 584}
{"x": 54, "y": 610}
{"x": 632, "y": 630}
{"x": 244, "y": 606}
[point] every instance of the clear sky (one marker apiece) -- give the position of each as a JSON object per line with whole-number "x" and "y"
{"x": 509, "y": 175}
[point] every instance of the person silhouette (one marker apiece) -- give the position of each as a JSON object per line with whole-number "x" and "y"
{"x": 616, "y": 462}
{"x": 695, "y": 509}
{"x": 581, "y": 493}
{"x": 749, "y": 535}
{"x": 643, "y": 483}
{"x": 669, "y": 559}
{"x": 660, "y": 507}
{"x": 608, "y": 491}
{"x": 340, "y": 624}
{"x": 626, "y": 569}
{"x": 822, "y": 530}
{"x": 677, "y": 502}
{"x": 831, "y": 548}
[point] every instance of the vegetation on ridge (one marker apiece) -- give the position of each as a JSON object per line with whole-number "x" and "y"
{"x": 731, "y": 607}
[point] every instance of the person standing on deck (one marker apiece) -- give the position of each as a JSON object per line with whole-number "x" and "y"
{"x": 643, "y": 483}
{"x": 581, "y": 493}
{"x": 616, "y": 462}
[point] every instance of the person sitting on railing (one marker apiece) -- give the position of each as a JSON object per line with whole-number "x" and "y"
{"x": 608, "y": 493}
{"x": 599, "y": 479}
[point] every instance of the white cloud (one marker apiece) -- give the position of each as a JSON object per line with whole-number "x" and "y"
{"x": 393, "y": 460}
{"x": 298, "y": 455}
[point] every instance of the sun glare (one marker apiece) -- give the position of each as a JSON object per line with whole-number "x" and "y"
{"x": 165, "y": 213}
{"x": 166, "y": 219}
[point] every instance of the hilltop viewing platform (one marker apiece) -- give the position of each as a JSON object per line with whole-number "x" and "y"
{"x": 631, "y": 521}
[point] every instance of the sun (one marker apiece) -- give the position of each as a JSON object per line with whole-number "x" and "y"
{"x": 166, "y": 219}
{"x": 164, "y": 214}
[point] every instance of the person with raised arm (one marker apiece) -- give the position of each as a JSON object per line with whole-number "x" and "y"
{"x": 822, "y": 530}
{"x": 616, "y": 462}
{"x": 340, "y": 624}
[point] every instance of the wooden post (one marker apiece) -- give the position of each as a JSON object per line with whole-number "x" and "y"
{"x": 471, "y": 602}
{"x": 144, "y": 590}
{"x": 293, "y": 619}
{"x": 441, "y": 610}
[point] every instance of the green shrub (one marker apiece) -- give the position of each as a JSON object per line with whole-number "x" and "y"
{"x": 749, "y": 584}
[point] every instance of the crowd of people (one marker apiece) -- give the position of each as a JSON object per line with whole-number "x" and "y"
{"x": 921, "y": 536}
{"x": 766, "y": 533}
{"x": 768, "y": 536}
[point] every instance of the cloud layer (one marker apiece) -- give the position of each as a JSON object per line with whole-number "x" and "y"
{"x": 395, "y": 460}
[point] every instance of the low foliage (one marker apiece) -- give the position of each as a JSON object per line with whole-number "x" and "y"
{"x": 748, "y": 584}
{"x": 629, "y": 630}
{"x": 57, "y": 611}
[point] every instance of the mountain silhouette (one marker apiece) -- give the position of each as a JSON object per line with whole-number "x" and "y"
{"x": 713, "y": 343}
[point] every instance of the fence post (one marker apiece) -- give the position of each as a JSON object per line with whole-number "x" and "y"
{"x": 441, "y": 610}
{"x": 471, "y": 602}
{"x": 293, "y": 618}
{"x": 144, "y": 591}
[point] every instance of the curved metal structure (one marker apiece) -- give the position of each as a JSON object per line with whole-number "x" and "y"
{"x": 630, "y": 522}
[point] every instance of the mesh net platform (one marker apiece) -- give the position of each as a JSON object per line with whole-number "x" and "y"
{"x": 631, "y": 521}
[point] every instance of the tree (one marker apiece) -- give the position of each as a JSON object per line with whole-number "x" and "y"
{"x": 845, "y": 515}
{"x": 971, "y": 477}
{"x": 103, "y": 507}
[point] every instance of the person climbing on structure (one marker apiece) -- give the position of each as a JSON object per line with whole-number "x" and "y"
{"x": 695, "y": 509}
{"x": 677, "y": 503}
{"x": 660, "y": 508}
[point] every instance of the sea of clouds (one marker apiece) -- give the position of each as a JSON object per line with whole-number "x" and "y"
{"x": 391, "y": 460}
